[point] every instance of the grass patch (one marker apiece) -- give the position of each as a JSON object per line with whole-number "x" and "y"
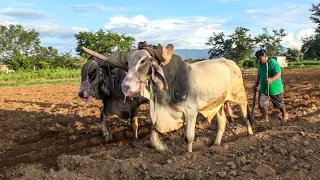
{"x": 38, "y": 82}
{"x": 304, "y": 64}
{"x": 43, "y": 74}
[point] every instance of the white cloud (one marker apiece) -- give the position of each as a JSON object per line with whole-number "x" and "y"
{"x": 55, "y": 30}
{"x": 305, "y": 33}
{"x": 17, "y": 3}
{"x": 251, "y": 11}
{"x": 294, "y": 41}
{"x": 183, "y": 33}
{"x": 285, "y": 16}
{"x": 291, "y": 42}
{"x": 89, "y": 8}
{"x": 49, "y": 29}
{"x": 225, "y": 1}
{"x": 23, "y": 13}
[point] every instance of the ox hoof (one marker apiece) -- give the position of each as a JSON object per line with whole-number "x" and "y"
{"x": 107, "y": 137}
{"x": 162, "y": 148}
{"x": 216, "y": 143}
{"x": 250, "y": 132}
{"x": 135, "y": 138}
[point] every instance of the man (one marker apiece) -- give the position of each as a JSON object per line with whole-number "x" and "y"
{"x": 269, "y": 77}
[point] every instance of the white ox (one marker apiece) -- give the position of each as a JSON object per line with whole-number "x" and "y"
{"x": 178, "y": 91}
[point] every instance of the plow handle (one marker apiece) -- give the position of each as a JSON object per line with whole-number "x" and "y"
{"x": 254, "y": 102}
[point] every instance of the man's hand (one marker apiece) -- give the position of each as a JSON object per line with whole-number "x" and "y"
{"x": 269, "y": 80}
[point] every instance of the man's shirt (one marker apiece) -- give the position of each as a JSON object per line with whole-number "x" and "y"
{"x": 276, "y": 86}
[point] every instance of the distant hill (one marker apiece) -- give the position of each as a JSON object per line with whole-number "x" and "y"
{"x": 203, "y": 53}
{"x": 192, "y": 53}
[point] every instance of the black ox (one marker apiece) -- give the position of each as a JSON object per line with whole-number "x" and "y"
{"x": 101, "y": 78}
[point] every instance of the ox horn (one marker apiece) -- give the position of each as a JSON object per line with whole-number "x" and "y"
{"x": 102, "y": 57}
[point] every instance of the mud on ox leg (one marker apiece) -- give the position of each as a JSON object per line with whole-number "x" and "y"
{"x": 222, "y": 121}
{"x": 190, "y": 119}
{"x": 106, "y": 133}
{"x": 134, "y": 122}
{"x": 155, "y": 140}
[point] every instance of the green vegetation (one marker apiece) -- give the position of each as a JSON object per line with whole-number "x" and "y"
{"x": 104, "y": 42}
{"x": 252, "y": 63}
{"x": 40, "y": 74}
{"x": 20, "y": 48}
{"x": 304, "y": 64}
{"x": 38, "y": 82}
{"x": 239, "y": 46}
{"x": 311, "y": 44}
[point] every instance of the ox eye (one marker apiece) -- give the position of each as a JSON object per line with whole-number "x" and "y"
{"x": 143, "y": 61}
{"x": 92, "y": 73}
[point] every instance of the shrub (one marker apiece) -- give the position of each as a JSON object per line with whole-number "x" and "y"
{"x": 249, "y": 63}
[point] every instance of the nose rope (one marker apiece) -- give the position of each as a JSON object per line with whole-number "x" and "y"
{"x": 143, "y": 82}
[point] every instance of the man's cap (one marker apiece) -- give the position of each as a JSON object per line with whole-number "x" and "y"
{"x": 261, "y": 52}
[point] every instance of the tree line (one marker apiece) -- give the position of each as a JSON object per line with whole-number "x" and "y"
{"x": 20, "y": 48}
{"x": 240, "y": 45}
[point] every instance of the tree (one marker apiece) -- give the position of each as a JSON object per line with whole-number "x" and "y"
{"x": 311, "y": 44}
{"x": 45, "y": 57}
{"x": 18, "y": 46}
{"x": 293, "y": 54}
{"x": 17, "y": 41}
{"x": 104, "y": 42}
{"x": 315, "y": 16}
{"x": 242, "y": 43}
{"x": 238, "y": 46}
{"x": 311, "y": 47}
{"x": 218, "y": 43}
{"x": 272, "y": 41}
{"x": 66, "y": 60}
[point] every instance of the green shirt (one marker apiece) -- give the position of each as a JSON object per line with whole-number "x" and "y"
{"x": 276, "y": 86}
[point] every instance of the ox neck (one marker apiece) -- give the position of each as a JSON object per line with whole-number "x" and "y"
{"x": 177, "y": 74}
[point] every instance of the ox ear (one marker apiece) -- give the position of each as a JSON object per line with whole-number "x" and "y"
{"x": 104, "y": 83}
{"x": 158, "y": 76}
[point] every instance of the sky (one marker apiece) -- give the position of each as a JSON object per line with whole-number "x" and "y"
{"x": 185, "y": 24}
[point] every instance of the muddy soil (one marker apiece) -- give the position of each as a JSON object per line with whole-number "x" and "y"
{"x": 48, "y": 133}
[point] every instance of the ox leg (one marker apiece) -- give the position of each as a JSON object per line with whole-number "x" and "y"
{"x": 244, "y": 114}
{"x": 190, "y": 129}
{"x": 134, "y": 122}
{"x": 221, "y": 121}
{"x": 135, "y": 125}
{"x": 156, "y": 142}
{"x": 106, "y": 135}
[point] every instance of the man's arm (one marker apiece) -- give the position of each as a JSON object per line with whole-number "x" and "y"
{"x": 275, "y": 70}
{"x": 275, "y": 77}
{"x": 257, "y": 82}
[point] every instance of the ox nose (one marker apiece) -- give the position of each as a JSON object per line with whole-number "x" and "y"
{"x": 82, "y": 94}
{"x": 125, "y": 89}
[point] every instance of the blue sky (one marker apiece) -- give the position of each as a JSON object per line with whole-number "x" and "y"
{"x": 185, "y": 24}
